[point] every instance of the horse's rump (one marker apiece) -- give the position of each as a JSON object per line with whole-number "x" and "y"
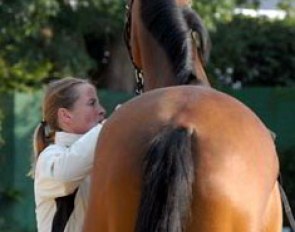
{"x": 233, "y": 156}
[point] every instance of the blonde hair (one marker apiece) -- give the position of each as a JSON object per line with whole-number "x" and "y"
{"x": 59, "y": 94}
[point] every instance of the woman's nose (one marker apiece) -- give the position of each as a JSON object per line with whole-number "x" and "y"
{"x": 101, "y": 112}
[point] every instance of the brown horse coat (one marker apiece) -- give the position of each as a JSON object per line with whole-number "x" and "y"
{"x": 235, "y": 164}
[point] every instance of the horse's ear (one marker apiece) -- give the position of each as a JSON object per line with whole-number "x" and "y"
{"x": 199, "y": 32}
{"x": 64, "y": 116}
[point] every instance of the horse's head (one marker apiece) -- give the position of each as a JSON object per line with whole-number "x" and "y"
{"x": 167, "y": 42}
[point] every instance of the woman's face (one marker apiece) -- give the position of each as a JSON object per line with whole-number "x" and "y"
{"x": 87, "y": 111}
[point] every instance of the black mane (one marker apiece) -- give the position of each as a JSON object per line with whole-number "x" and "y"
{"x": 170, "y": 25}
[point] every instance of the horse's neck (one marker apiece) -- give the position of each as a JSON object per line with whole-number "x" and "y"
{"x": 151, "y": 57}
{"x": 156, "y": 67}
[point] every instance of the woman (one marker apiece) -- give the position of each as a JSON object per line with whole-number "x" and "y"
{"x": 64, "y": 145}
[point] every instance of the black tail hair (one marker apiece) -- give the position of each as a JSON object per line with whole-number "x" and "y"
{"x": 167, "y": 183}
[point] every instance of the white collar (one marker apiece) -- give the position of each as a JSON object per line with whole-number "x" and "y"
{"x": 66, "y": 139}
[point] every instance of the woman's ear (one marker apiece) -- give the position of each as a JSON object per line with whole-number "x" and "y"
{"x": 64, "y": 116}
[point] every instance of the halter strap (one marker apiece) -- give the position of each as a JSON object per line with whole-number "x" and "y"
{"x": 139, "y": 81}
{"x": 127, "y": 33}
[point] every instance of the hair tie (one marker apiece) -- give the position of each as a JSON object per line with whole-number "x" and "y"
{"x": 46, "y": 128}
{"x": 43, "y": 123}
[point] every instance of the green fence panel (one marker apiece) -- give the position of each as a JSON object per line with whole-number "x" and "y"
{"x": 7, "y": 152}
{"x": 27, "y": 115}
{"x": 22, "y": 112}
{"x": 275, "y": 107}
{"x": 110, "y": 99}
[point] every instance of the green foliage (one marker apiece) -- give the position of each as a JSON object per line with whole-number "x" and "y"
{"x": 45, "y": 38}
{"x": 215, "y": 11}
{"x": 40, "y": 39}
{"x": 21, "y": 59}
{"x": 288, "y": 6}
{"x": 254, "y": 52}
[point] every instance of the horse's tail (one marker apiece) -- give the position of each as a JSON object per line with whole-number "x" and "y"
{"x": 167, "y": 182}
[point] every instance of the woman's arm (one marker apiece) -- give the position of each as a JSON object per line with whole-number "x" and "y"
{"x": 72, "y": 163}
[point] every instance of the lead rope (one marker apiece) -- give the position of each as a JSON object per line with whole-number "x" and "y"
{"x": 287, "y": 208}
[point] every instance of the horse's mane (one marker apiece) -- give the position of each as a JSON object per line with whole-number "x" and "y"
{"x": 169, "y": 25}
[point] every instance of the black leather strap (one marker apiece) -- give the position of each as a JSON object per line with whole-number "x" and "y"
{"x": 64, "y": 208}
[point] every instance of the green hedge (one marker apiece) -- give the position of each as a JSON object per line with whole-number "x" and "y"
{"x": 253, "y": 52}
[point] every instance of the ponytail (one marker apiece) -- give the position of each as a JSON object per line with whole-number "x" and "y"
{"x": 42, "y": 137}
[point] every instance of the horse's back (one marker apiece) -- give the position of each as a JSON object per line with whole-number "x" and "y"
{"x": 235, "y": 162}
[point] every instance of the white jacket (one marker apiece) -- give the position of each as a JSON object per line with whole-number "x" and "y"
{"x": 61, "y": 169}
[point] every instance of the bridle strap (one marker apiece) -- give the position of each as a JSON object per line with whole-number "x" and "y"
{"x": 139, "y": 81}
{"x": 127, "y": 33}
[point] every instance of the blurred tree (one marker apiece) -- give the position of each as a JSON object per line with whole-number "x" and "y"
{"x": 217, "y": 10}
{"x": 41, "y": 39}
{"x": 288, "y": 6}
{"x": 253, "y": 52}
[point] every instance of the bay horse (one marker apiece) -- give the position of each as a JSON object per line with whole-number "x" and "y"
{"x": 182, "y": 156}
